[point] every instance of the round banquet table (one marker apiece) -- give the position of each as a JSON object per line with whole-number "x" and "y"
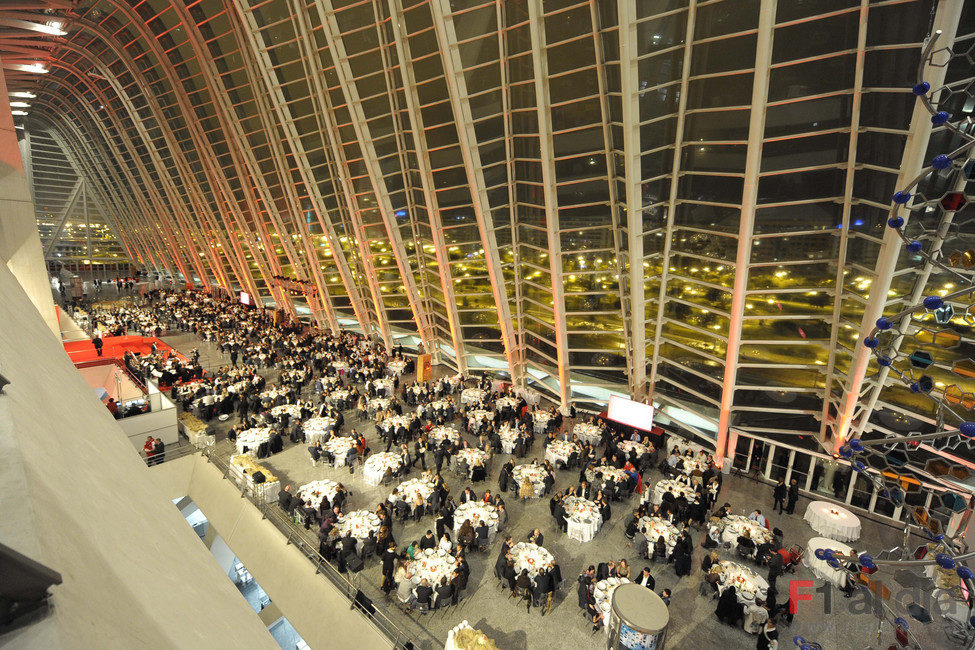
{"x": 396, "y": 367}
{"x": 608, "y": 474}
{"x": 359, "y": 523}
{"x": 472, "y": 396}
{"x": 541, "y": 421}
{"x": 560, "y": 450}
{"x": 588, "y": 432}
{"x": 294, "y": 410}
{"x": 629, "y": 445}
{"x": 820, "y": 567}
{"x": 378, "y": 404}
{"x": 746, "y": 582}
{"x": 432, "y": 564}
{"x": 339, "y": 447}
{"x": 408, "y": 490}
{"x": 248, "y": 441}
{"x": 683, "y": 446}
{"x": 602, "y": 593}
{"x": 317, "y": 429}
{"x": 509, "y": 437}
{"x": 833, "y": 521}
{"x": 472, "y": 456}
{"x": 655, "y": 527}
{"x": 476, "y": 416}
{"x": 534, "y": 473}
{"x": 736, "y": 525}
{"x": 375, "y": 466}
{"x": 677, "y": 488}
{"x": 584, "y": 519}
{"x": 530, "y": 557}
{"x": 316, "y": 491}
{"x": 444, "y": 432}
{"x": 383, "y": 387}
{"x": 696, "y": 464}
{"x": 337, "y": 395}
{"x": 502, "y": 402}
{"x": 476, "y": 511}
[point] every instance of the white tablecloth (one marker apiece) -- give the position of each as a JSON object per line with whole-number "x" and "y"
{"x": 560, "y": 450}
{"x": 375, "y": 466}
{"x": 476, "y": 416}
{"x": 509, "y": 437}
{"x": 242, "y": 468}
{"x": 534, "y": 473}
{"x": 746, "y": 582}
{"x": 396, "y": 421}
{"x": 339, "y": 446}
{"x": 316, "y": 490}
{"x": 530, "y": 557}
{"x": 602, "y": 593}
{"x": 541, "y": 420}
{"x": 251, "y": 439}
{"x": 396, "y": 367}
{"x": 359, "y": 523}
{"x": 442, "y": 432}
{"x": 337, "y": 395}
{"x": 383, "y": 387}
{"x": 655, "y": 527}
{"x": 408, "y": 490}
{"x": 736, "y": 525}
{"x": 378, "y": 404}
{"x": 820, "y": 567}
{"x": 472, "y": 456}
{"x": 472, "y": 396}
{"x": 584, "y": 519}
{"x": 432, "y": 564}
{"x": 833, "y": 521}
{"x": 317, "y": 429}
{"x": 663, "y": 486}
{"x": 683, "y": 445}
{"x": 588, "y": 432}
{"x": 628, "y": 445}
{"x": 475, "y": 511}
{"x": 502, "y": 402}
{"x": 696, "y": 464}
{"x": 608, "y": 473}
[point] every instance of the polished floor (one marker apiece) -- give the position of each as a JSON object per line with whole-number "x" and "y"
{"x": 849, "y": 623}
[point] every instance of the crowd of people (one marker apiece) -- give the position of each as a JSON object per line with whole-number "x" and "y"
{"x": 332, "y": 376}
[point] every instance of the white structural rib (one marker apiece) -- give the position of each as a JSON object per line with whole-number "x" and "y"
{"x": 946, "y": 18}
{"x": 443, "y": 23}
{"x": 726, "y": 439}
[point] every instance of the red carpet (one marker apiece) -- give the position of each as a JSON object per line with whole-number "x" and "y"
{"x": 115, "y": 347}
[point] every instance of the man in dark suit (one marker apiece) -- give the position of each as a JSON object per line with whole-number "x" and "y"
{"x": 584, "y": 591}
{"x": 422, "y": 594}
{"x": 444, "y": 593}
{"x": 285, "y": 500}
{"x": 428, "y": 541}
{"x": 348, "y": 545}
{"x": 645, "y": 579}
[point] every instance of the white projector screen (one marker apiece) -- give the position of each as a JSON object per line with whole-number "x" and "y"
{"x": 630, "y": 413}
{"x": 245, "y": 298}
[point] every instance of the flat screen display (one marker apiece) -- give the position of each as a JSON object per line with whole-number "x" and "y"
{"x": 633, "y": 414}
{"x": 245, "y": 298}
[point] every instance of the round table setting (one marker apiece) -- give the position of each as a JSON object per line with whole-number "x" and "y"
{"x": 677, "y": 488}
{"x": 358, "y": 523}
{"x": 338, "y": 395}
{"x": 432, "y": 564}
{"x": 695, "y": 464}
{"x": 316, "y": 491}
{"x": 396, "y": 367}
{"x": 736, "y": 525}
{"x": 475, "y": 511}
{"x": 683, "y": 446}
{"x": 509, "y": 438}
{"x": 530, "y": 557}
{"x": 541, "y": 421}
{"x": 339, "y": 447}
{"x": 833, "y": 521}
{"x": 590, "y": 433}
{"x": 412, "y": 488}
{"x": 377, "y": 404}
{"x": 746, "y": 582}
{"x": 476, "y": 416}
{"x": 272, "y": 394}
{"x": 533, "y": 473}
{"x": 434, "y": 407}
{"x": 318, "y": 429}
{"x": 249, "y": 440}
{"x": 603, "y": 474}
{"x": 820, "y": 567}
{"x": 627, "y": 446}
{"x": 293, "y": 410}
{"x": 383, "y": 387}
{"x": 376, "y": 465}
{"x": 472, "y": 456}
{"x": 339, "y": 366}
{"x": 471, "y": 396}
{"x": 395, "y": 422}
{"x": 583, "y": 519}
{"x": 560, "y": 450}
{"x": 653, "y": 528}
{"x": 602, "y": 593}
{"x": 443, "y": 432}
{"x": 503, "y": 402}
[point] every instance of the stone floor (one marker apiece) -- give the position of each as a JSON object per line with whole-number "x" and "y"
{"x": 693, "y": 624}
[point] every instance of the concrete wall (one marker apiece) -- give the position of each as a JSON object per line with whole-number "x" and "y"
{"x": 76, "y": 497}
{"x": 20, "y": 245}
{"x": 158, "y": 424}
{"x": 319, "y": 612}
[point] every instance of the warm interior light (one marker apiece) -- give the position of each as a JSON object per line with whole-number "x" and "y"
{"x": 22, "y": 94}
{"x": 36, "y": 68}
{"x": 19, "y": 105}
{"x": 18, "y": 112}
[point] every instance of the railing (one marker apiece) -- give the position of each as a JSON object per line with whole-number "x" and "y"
{"x": 294, "y": 536}
{"x": 140, "y": 383}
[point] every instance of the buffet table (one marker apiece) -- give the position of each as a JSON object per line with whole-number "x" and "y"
{"x": 833, "y": 521}
{"x": 243, "y": 468}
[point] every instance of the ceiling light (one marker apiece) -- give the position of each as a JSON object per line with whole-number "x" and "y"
{"x": 21, "y": 94}
{"x": 19, "y": 105}
{"x": 18, "y": 112}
